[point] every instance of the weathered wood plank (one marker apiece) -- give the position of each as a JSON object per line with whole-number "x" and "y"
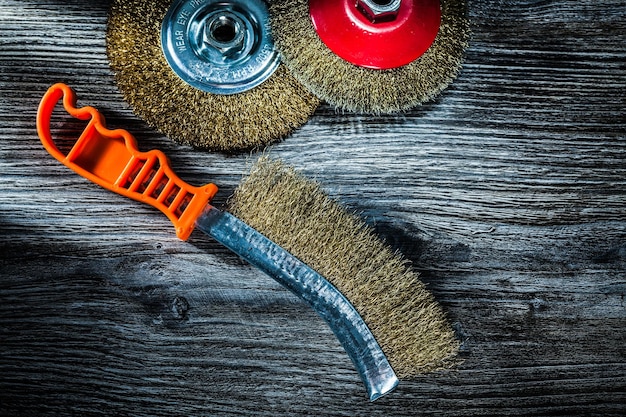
{"x": 508, "y": 193}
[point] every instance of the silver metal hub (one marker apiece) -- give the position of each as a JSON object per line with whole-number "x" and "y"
{"x": 222, "y": 47}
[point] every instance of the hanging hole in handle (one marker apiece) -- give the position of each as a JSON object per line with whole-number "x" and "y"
{"x": 96, "y": 153}
{"x": 65, "y": 129}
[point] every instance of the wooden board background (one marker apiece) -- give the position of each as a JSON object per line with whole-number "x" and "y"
{"x": 508, "y": 193}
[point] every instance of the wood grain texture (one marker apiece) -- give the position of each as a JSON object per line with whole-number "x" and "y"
{"x": 508, "y": 193}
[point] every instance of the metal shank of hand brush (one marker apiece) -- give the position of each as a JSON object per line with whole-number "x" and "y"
{"x": 222, "y": 47}
{"x": 356, "y": 338}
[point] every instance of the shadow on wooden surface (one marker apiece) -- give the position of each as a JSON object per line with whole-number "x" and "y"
{"x": 508, "y": 193}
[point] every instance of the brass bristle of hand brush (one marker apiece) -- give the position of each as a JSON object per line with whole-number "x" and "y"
{"x": 372, "y": 56}
{"x": 406, "y": 320}
{"x": 205, "y": 74}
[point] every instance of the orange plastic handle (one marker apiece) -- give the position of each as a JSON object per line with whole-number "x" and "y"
{"x": 111, "y": 159}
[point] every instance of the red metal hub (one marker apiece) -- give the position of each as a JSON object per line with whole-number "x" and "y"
{"x": 350, "y": 34}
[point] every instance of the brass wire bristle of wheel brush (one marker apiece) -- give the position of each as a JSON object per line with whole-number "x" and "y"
{"x": 246, "y": 120}
{"x": 365, "y": 90}
{"x": 403, "y": 315}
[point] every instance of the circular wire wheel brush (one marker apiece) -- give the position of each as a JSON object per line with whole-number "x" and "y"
{"x": 205, "y": 73}
{"x": 372, "y": 56}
